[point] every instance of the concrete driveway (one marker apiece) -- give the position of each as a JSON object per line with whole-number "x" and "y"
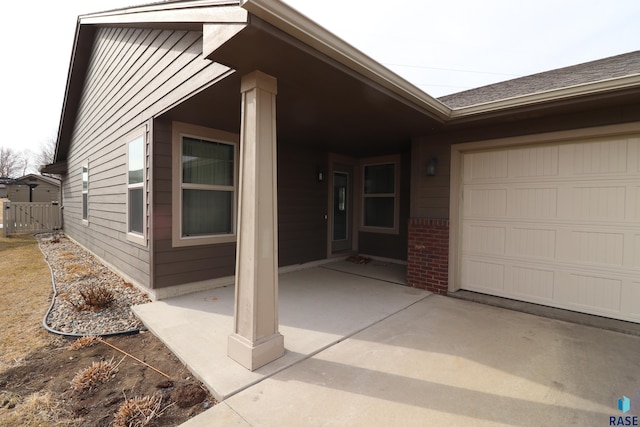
{"x": 443, "y": 361}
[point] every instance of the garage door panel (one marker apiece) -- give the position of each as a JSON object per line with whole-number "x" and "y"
{"x": 485, "y": 239}
{"x": 595, "y": 294}
{"x": 633, "y": 259}
{"x": 598, "y": 202}
{"x": 532, "y": 202}
{"x": 533, "y": 162}
{"x": 486, "y": 166}
{"x": 596, "y": 247}
{"x": 485, "y": 202}
{"x": 533, "y": 284}
{"x": 532, "y": 242}
{"x": 483, "y": 275}
{"x": 557, "y": 224}
{"x": 631, "y": 298}
{"x": 600, "y": 157}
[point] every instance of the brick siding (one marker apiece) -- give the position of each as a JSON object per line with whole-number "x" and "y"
{"x": 428, "y": 254}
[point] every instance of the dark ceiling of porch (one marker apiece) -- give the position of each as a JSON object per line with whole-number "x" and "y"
{"x": 320, "y": 102}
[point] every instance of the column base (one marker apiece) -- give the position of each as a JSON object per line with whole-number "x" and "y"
{"x": 255, "y": 355}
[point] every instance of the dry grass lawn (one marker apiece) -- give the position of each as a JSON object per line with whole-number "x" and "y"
{"x": 37, "y": 409}
{"x": 42, "y": 379}
{"x": 25, "y": 285}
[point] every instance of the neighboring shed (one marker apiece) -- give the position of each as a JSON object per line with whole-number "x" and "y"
{"x": 34, "y": 188}
{"x": 3, "y": 186}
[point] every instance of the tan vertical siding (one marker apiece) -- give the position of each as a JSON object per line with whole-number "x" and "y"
{"x": 132, "y": 75}
{"x": 46, "y": 192}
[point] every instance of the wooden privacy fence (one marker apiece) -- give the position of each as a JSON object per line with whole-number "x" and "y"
{"x": 30, "y": 217}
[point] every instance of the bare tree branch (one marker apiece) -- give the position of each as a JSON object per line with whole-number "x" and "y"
{"x": 9, "y": 163}
{"x": 46, "y": 153}
{"x": 24, "y": 161}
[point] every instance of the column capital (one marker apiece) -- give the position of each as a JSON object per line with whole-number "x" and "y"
{"x": 259, "y": 80}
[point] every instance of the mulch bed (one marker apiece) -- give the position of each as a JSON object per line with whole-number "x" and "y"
{"x": 77, "y": 273}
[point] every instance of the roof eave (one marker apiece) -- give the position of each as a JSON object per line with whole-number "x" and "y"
{"x": 307, "y": 31}
{"x": 57, "y": 168}
{"x": 189, "y": 12}
{"x": 50, "y": 180}
{"x": 550, "y": 96}
{"x": 66, "y": 114}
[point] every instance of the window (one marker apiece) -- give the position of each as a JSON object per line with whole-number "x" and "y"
{"x": 85, "y": 193}
{"x": 136, "y": 191}
{"x": 205, "y": 185}
{"x": 380, "y": 196}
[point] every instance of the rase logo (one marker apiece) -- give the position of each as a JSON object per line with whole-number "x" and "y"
{"x": 624, "y": 404}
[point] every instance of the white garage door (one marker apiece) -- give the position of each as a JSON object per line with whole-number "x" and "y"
{"x": 555, "y": 224}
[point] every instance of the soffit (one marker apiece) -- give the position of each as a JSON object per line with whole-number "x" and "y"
{"x": 320, "y": 99}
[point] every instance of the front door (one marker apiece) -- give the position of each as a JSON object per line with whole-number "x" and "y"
{"x": 342, "y": 204}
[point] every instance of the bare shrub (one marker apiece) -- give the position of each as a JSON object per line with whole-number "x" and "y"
{"x": 67, "y": 256}
{"x": 73, "y": 269}
{"x": 138, "y": 411}
{"x": 84, "y": 342}
{"x": 97, "y": 373}
{"x": 93, "y": 297}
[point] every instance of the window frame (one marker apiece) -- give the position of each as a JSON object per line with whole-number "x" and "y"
{"x": 84, "y": 190}
{"x": 139, "y": 238}
{"x": 379, "y": 161}
{"x": 179, "y": 131}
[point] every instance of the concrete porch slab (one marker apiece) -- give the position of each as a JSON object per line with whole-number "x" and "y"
{"x": 445, "y": 361}
{"x": 318, "y": 307}
{"x": 375, "y": 269}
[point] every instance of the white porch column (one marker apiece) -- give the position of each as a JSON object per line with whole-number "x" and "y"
{"x": 256, "y": 340}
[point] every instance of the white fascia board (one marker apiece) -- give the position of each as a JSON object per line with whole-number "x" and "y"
{"x": 183, "y": 12}
{"x": 594, "y": 88}
{"x": 302, "y": 28}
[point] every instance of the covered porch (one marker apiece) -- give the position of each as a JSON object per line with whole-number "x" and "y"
{"x": 308, "y": 113}
{"x": 319, "y": 307}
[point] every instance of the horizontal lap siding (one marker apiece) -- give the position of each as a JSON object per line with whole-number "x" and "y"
{"x": 430, "y": 194}
{"x": 132, "y": 75}
{"x": 302, "y": 204}
{"x": 180, "y": 265}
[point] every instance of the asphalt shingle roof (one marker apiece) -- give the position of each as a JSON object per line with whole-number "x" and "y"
{"x": 588, "y": 72}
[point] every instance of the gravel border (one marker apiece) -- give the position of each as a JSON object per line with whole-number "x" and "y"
{"x": 74, "y": 269}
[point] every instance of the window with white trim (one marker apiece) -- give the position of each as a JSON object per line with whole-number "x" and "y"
{"x": 136, "y": 190}
{"x": 380, "y": 201}
{"x": 85, "y": 193}
{"x": 205, "y": 185}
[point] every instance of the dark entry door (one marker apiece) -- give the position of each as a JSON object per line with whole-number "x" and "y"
{"x": 341, "y": 215}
